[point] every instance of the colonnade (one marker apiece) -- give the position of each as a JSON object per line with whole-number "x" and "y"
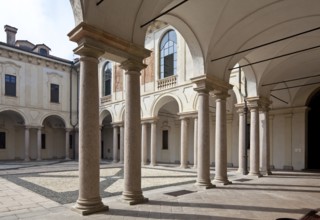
{"x": 39, "y": 144}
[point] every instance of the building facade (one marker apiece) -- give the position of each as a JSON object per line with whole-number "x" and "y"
{"x": 38, "y": 101}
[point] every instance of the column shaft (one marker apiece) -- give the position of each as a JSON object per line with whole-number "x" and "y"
{"x": 26, "y": 143}
{"x": 254, "y": 142}
{"x": 121, "y": 144}
{"x": 89, "y": 200}
{"x": 264, "y": 143}
{"x": 221, "y": 176}
{"x": 67, "y": 145}
{"x": 115, "y": 144}
{"x": 132, "y": 192}
{"x": 153, "y": 144}
{"x": 195, "y": 143}
{"x": 184, "y": 143}
{"x": 242, "y": 142}
{"x": 203, "y": 175}
{"x": 39, "y": 144}
{"x": 144, "y": 143}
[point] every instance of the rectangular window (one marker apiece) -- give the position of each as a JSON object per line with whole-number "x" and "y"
{"x": 2, "y": 140}
{"x": 10, "y": 85}
{"x": 43, "y": 141}
{"x": 165, "y": 140}
{"x": 70, "y": 141}
{"x": 118, "y": 141}
{"x": 54, "y": 93}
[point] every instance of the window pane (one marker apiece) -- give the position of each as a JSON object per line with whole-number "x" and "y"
{"x": 173, "y": 36}
{"x": 54, "y": 93}
{"x": 10, "y": 85}
{"x": 107, "y": 78}
{"x": 165, "y": 139}
{"x": 43, "y": 141}
{"x": 168, "y": 65}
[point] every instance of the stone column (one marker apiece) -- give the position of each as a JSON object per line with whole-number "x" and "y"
{"x": 288, "y": 142}
{"x": 153, "y": 155}
{"x": 39, "y": 143}
{"x": 144, "y": 152}
{"x": 221, "y": 176}
{"x": 271, "y": 166}
{"x": 242, "y": 141}
{"x": 132, "y": 192}
{"x": 89, "y": 200}
{"x": 26, "y": 143}
{"x": 195, "y": 143}
{"x": 254, "y": 139}
{"x": 264, "y": 140}
{"x": 203, "y": 174}
{"x": 121, "y": 144}
{"x": 67, "y": 146}
{"x": 115, "y": 143}
{"x": 184, "y": 142}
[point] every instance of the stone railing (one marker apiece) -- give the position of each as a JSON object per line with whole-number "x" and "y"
{"x": 105, "y": 99}
{"x": 167, "y": 82}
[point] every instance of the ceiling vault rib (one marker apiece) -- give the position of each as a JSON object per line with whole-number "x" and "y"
{"x": 279, "y": 99}
{"x": 163, "y": 13}
{"x": 290, "y": 80}
{"x": 266, "y": 44}
{"x": 291, "y": 87}
{"x": 276, "y": 57}
{"x": 99, "y": 2}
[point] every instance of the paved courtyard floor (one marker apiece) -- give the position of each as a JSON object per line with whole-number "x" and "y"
{"x": 48, "y": 189}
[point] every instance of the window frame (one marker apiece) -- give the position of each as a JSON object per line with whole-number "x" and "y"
{"x": 168, "y": 54}
{"x": 54, "y": 97}
{"x": 10, "y": 87}
{"x": 165, "y": 139}
{"x": 107, "y": 78}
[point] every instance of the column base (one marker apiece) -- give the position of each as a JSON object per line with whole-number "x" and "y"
{"x": 194, "y": 167}
{"x": 288, "y": 167}
{"x": 133, "y": 198}
{"x": 153, "y": 164}
{"x": 67, "y": 158}
{"x": 242, "y": 171}
{"x": 204, "y": 184}
{"x": 120, "y": 162}
{"x": 115, "y": 161}
{"x": 222, "y": 181}
{"x": 266, "y": 172}
{"x": 184, "y": 166}
{"x": 255, "y": 174}
{"x": 87, "y": 207}
{"x": 27, "y": 159}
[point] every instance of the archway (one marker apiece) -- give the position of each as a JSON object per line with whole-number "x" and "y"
{"x": 106, "y": 136}
{"x": 313, "y": 149}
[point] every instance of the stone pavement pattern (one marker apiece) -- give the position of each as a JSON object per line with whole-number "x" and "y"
{"x": 284, "y": 194}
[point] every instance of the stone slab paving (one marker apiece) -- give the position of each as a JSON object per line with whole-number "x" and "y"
{"x": 284, "y": 194}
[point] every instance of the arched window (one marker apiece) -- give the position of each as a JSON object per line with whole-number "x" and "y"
{"x": 107, "y": 75}
{"x": 168, "y": 54}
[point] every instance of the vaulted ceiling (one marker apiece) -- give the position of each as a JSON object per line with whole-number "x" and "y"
{"x": 215, "y": 28}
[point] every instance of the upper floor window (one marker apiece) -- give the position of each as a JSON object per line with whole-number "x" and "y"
{"x": 168, "y": 54}
{"x": 54, "y": 96}
{"x": 10, "y": 85}
{"x": 43, "y": 52}
{"x": 107, "y": 76}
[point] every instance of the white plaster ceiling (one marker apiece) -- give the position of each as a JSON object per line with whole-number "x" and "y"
{"x": 214, "y": 28}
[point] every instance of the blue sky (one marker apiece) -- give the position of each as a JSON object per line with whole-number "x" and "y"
{"x": 40, "y": 21}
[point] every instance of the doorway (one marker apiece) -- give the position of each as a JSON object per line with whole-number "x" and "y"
{"x": 313, "y": 152}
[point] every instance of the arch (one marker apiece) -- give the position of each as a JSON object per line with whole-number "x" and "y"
{"x": 161, "y": 101}
{"x": 104, "y": 113}
{"x": 17, "y": 112}
{"x": 54, "y": 117}
{"x": 191, "y": 40}
{"x": 57, "y": 115}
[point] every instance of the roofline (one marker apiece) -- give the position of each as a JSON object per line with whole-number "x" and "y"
{"x": 50, "y": 57}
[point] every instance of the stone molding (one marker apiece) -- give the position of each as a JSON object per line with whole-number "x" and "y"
{"x": 95, "y": 39}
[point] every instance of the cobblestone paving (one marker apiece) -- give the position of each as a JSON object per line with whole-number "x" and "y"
{"x": 47, "y": 190}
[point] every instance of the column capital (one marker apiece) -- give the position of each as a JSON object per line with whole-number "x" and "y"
{"x": 206, "y": 83}
{"x": 117, "y": 124}
{"x": 253, "y": 102}
{"x": 220, "y": 94}
{"x": 88, "y": 36}
{"x": 68, "y": 129}
{"x": 149, "y": 120}
{"x": 264, "y": 104}
{"x": 187, "y": 115}
{"x": 133, "y": 65}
